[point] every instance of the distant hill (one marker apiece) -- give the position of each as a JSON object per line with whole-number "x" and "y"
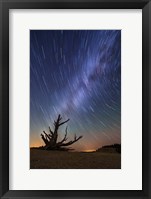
{"x": 115, "y": 148}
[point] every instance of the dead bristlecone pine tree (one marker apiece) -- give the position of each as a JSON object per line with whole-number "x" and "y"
{"x": 50, "y": 139}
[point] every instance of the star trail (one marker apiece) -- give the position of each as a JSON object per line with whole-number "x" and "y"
{"x": 76, "y": 73}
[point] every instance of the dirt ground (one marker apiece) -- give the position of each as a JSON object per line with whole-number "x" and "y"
{"x": 40, "y": 159}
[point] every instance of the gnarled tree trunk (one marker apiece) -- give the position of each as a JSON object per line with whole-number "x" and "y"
{"x": 50, "y": 139}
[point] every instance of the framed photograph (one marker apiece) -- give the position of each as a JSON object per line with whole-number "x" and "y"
{"x": 75, "y": 99}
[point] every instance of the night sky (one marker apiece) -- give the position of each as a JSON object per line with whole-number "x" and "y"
{"x": 76, "y": 73}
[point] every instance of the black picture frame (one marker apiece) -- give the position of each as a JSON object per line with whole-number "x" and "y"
{"x": 5, "y": 5}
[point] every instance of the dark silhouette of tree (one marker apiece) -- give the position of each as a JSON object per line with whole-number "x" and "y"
{"x": 50, "y": 139}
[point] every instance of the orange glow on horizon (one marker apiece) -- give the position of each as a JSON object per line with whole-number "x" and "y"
{"x": 89, "y": 150}
{"x": 36, "y": 144}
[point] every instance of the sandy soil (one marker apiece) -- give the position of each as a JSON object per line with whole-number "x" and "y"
{"x": 40, "y": 159}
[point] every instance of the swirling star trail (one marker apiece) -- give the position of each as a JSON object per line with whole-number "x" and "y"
{"x": 76, "y": 73}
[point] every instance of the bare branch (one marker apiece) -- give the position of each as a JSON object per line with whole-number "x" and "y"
{"x": 50, "y": 131}
{"x": 70, "y": 142}
{"x": 64, "y": 122}
{"x": 58, "y": 120}
{"x": 47, "y": 136}
{"x": 50, "y": 135}
{"x": 44, "y": 139}
{"x": 65, "y": 137}
{"x": 59, "y": 117}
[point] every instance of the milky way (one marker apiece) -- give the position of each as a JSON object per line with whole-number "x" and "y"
{"x": 76, "y": 73}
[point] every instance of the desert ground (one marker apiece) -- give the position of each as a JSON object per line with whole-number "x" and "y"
{"x": 41, "y": 159}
